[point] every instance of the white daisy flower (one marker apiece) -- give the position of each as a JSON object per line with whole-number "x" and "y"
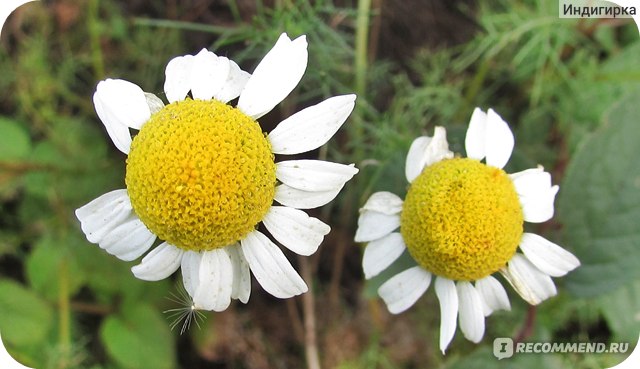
{"x": 462, "y": 221}
{"x": 201, "y": 175}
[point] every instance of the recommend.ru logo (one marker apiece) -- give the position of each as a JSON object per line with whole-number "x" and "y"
{"x": 502, "y": 347}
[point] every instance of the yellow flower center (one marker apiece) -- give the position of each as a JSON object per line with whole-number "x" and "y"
{"x": 462, "y": 219}
{"x": 201, "y": 174}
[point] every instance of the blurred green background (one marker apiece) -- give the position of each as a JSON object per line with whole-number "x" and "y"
{"x": 570, "y": 89}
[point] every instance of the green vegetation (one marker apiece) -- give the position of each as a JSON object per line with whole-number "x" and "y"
{"x": 568, "y": 87}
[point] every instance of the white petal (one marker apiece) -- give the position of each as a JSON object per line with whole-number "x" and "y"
{"x": 402, "y": 290}
{"x": 215, "y": 281}
{"x": 270, "y": 267}
{"x": 119, "y": 134}
{"x": 499, "y": 140}
{"x": 415, "y": 157}
{"x": 178, "y": 78}
{"x": 125, "y": 101}
{"x": 103, "y": 214}
{"x": 154, "y": 102}
{"x": 312, "y": 127}
{"x": 121, "y": 104}
{"x": 536, "y": 194}
{"x": 7, "y": 7}
{"x": 98, "y": 204}
{"x": 474, "y": 141}
{"x": 529, "y": 181}
{"x": 314, "y": 175}
{"x": 301, "y": 199}
{"x": 236, "y": 80}
{"x": 129, "y": 240}
{"x": 190, "y": 267}
{"x": 160, "y": 263}
{"x": 241, "y": 288}
{"x": 295, "y": 230}
{"x": 448, "y": 297}
{"x": 547, "y": 256}
{"x": 425, "y": 151}
{"x": 531, "y": 284}
{"x": 373, "y": 225}
{"x": 493, "y": 295}
{"x": 542, "y": 210}
{"x": 438, "y": 148}
{"x": 209, "y": 72}
{"x": 275, "y": 77}
{"x": 471, "y": 312}
{"x": 381, "y": 253}
{"x": 383, "y": 202}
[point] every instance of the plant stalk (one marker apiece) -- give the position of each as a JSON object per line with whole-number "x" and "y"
{"x": 309, "y": 317}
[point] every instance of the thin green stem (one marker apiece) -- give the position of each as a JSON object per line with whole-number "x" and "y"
{"x": 186, "y": 26}
{"x": 93, "y": 27}
{"x": 64, "y": 310}
{"x": 360, "y": 66}
{"x": 362, "y": 40}
{"x": 474, "y": 88}
{"x": 235, "y": 11}
{"x": 259, "y": 8}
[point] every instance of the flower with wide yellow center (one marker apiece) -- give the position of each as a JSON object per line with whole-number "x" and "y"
{"x": 214, "y": 160}
{"x": 443, "y": 201}
{"x": 462, "y": 221}
{"x": 201, "y": 175}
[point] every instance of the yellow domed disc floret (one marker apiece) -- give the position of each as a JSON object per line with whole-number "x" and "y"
{"x": 462, "y": 219}
{"x": 201, "y": 174}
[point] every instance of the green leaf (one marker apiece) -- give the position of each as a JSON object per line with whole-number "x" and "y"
{"x": 621, "y": 309}
{"x": 139, "y": 337}
{"x": 599, "y": 204}
{"x": 50, "y": 261}
{"x": 109, "y": 277}
{"x": 484, "y": 357}
{"x": 25, "y": 319}
{"x": 74, "y": 164}
{"x": 596, "y": 88}
{"x": 42, "y": 182}
{"x": 15, "y": 142}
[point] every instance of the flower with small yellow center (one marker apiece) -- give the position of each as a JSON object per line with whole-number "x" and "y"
{"x": 462, "y": 221}
{"x": 201, "y": 175}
